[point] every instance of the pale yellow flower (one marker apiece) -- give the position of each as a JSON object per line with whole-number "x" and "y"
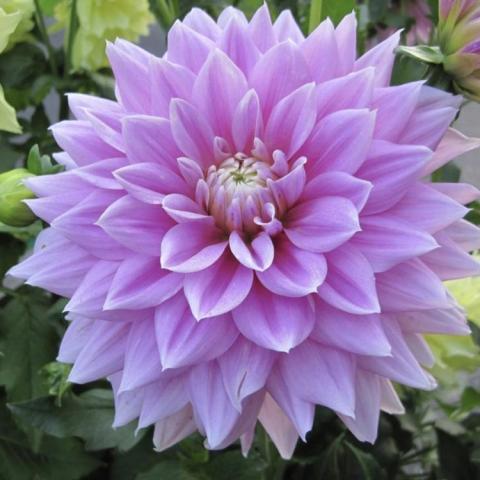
{"x": 102, "y": 20}
{"x": 8, "y": 119}
{"x": 23, "y": 11}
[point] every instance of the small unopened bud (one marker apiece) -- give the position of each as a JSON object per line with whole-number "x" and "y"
{"x": 13, "y": 211}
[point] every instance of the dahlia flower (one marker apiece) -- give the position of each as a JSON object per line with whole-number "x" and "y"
{"x": 459, "y": 39}
{"x": 246, "y": 232}
{"x": 101, "y": 20}
{"x": 13, "y": 210}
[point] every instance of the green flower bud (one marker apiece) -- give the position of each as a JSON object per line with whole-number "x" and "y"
{"x": 13, "y": 211}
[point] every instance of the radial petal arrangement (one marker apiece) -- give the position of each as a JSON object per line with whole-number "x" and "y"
{"x": 248, "y": 231}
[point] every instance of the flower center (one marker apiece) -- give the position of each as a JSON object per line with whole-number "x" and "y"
{"x": 237, "y": 191}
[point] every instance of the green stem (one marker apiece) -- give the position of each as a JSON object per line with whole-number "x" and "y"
{"x": 315, "y": 15}
{"x": 72, "y": 29}
{"x": 165, "y": 13}
{"x": 45, "y": 38}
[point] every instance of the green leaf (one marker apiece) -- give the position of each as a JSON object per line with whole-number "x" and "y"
{"x": 28, "y": 341}
{"x": 88, "y": 416}
{"x": 454, "y": 458}
{"x": 11, "y": 250}
{"x": 167, "y": 470}
{"x": 141, "y": 458}
{"x": 41, "y": 164}
{"x": 422, "y": 53}
{"x": 54, "y": 459}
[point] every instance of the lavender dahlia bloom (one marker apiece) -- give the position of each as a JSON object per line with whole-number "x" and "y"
{"x": 245, "y": 233}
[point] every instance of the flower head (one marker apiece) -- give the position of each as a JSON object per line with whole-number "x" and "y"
{"x": 15, "y": 20}
{"x": 245, "y": 233}
{"x": 459, "y": 38}
{"x": 101, "y": 20}
{"x": 13, "y": 211}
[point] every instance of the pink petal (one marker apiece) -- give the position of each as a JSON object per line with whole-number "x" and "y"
{"x": 75, "y": 338}
{"x": 321, "y": 52}
{"x": 142, "y": 360}
{"x": 140, "y": 282}
{"x": 257, "y": 254}
{"x": 182, "y": 340}
{"x": 192, "y": 246}
{"x": 386, "y": 242}
{"x": 410, "y": 286}
{"x": 103, "y": 354}
{"x": 322, "y": 375}
{"x": 60, "y": 274}
{"x": 168, "y": 80}
{"x": 449, "y": 321}
{"x": 460, "y": 192}
{"x": 402, "y": 366}
{"x": 364, "y": 425}
{"x": 395, "y": 105}
{"x": 299, "y": 412}
{"x": 323, "y": 224}
{"x": 279, "y": 428}
{"x": 187, "y": 47}
{"x": 182, "y": 208}
{"x": 79, "y": 139}
{"x": 350, "y": 283}
{"x": 452, "y": 145}
{"x": 217, "y": 289}
{"x": 428, "y": 209}
{"x": 339, "y": 142}
{"x": 261, "y": 29}
{"x": 346, "y": 38}
{"x": 352, "y": 91}
{"x": 280, "y": 323}
{"x": 361, "y": 334}
{"x": 291, "y": 121}
{"x": 193, "y": 135}
{"x": 381, "y": 57}
{"x": 339, "y": 184}
{"x": 247, "y": 122}
{"x": 279, "y": 72}
{"x": 211, "y": 403}
{"x": 149, "y": 183}
{"x": 139, "y": 226}
{"x": 392, "y": 169}
{"x": 202, "y": 23}
{"x": 149, "y": 139}
{"x": 90, "y": 294}
{"x": 245, "y": 369}
{"x": 450, "y": 262}
{"x": 164, "y": 398}
{"x": 286, "y": 28}
{"x": 130, "y": 73}
{"x": 79, "y": 224}
{"x": 173, "y": 429}
{"x": 219, "y": 87}
{"x": 239, "y": 46}
{"x": 294, "y": 272}
{"x": 435, "y": 112}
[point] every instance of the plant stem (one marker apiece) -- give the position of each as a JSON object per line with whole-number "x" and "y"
{"x": 45, "y": 38}
{"x": 315, "y": 15}
{"x": 72, "y": 28}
